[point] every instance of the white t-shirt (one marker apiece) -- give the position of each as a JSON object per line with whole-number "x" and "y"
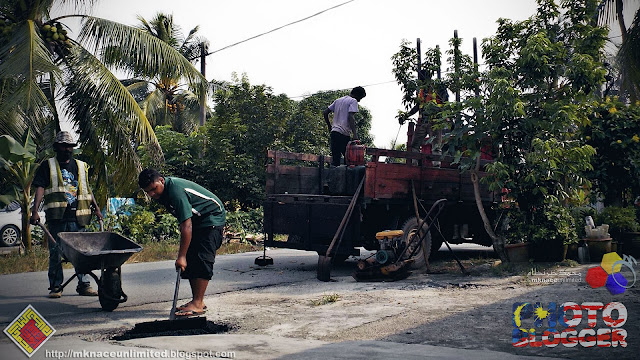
{"x": 341, "y": 109}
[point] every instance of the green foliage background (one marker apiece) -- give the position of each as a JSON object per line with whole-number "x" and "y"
{"x": 229, "y": 154}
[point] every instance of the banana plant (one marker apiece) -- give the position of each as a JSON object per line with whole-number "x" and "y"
{"x": 18, "y": 158}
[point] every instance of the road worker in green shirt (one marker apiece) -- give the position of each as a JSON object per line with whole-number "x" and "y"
{"x": 201, "y": 216}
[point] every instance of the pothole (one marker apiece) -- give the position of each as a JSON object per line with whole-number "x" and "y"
{"x": 192, "y": 326}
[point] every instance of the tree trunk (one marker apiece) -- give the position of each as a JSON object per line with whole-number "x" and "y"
{"x": 26, "y": 227}
{"x": 498, "y": 241}
{"x": 52, "y": 101}
{"x": 623, "y": 27}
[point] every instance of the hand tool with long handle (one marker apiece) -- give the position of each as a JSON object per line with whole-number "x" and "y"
{"x": 46, "y": 231}
{"x": 172, "y": 316}
{"x": 324, "y": 262}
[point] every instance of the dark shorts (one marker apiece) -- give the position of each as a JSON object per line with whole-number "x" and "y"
{"x": 202, "y": 253}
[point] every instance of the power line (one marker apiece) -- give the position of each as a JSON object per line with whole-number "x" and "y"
{"x": 276, "y": 29}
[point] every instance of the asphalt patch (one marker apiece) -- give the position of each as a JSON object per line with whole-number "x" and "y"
{"x": 138, "y": 332}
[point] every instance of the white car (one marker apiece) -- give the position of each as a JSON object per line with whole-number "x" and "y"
{"x": 11, "y": 224}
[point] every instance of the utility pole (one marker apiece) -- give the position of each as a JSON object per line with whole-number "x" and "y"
{"x": 456, "y": 64}
{"x": 203, "y": 94}
{"x": 475, "y": 63}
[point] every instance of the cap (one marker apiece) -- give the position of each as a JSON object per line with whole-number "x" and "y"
{"x": 64, "y": 137}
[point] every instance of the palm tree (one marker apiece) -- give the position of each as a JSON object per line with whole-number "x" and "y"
{"x": 170, "y": 102}
{"x": 43, "y": 71}
{"x": 628, "y": 60}
{"x": 628, "y": 56}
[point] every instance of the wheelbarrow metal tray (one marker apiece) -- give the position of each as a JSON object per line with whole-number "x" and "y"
{"x": 96, "y": 250}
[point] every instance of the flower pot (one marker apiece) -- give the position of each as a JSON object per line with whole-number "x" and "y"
{"x": 598, "y": 247}
{"x": 572, "y": 252}
{"x": 517, "y": 252}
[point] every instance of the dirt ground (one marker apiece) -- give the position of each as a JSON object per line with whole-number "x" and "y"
{"x": 444, "y": 308}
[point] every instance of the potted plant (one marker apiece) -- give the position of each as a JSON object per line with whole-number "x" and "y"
{"x": 623, "y": 224}
{"x": 514, "y": 228}
{"x": 552, "y": 233}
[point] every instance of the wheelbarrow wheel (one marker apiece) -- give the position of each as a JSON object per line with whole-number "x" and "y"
{"x": 111, "y": 289}
{"x": 106, "y": 303}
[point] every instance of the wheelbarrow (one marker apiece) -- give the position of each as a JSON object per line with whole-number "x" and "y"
{"x": 104, "y": 251}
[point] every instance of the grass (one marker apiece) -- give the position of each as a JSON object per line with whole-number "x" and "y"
{"x": 38, "y": 259}
{"x": 326, "y": 299}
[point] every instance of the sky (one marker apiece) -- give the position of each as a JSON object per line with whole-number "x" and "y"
{"x": 347, "y": 46}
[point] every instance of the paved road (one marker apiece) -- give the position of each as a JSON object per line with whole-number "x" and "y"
{"x": 153, "y": 283}
{"x": 149, "y": 283}
{"x": 150, "y": 289}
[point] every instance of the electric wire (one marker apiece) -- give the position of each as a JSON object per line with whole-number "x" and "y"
{"x": 275, "y": 29}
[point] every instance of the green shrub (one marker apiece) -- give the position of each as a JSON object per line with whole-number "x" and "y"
{"x": 166, "y": 228}
{"x": 554, "y": 224}
{"x": 245, "y": 222}
{"x": 620, "y": 219}
{"x": 140, "y": 224}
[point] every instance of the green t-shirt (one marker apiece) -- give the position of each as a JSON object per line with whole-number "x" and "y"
{"x": 188, "y": 200}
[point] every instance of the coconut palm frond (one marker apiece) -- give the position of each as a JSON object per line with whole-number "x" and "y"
{"x": 192, "y": 50}
{"x": 20, "y": 10}
{"x": 12, "y": 123}
{"x": 143, "y": 53}
{"x": 628, "y": 59}
{"x": 25, "y": 59}
{"x": 606, "y": 12}
{"x": 107, "y": 131}
{"x": 22, "y": 105}
{"x": 191, "y": 35}
{"x": 25, "y": 53}
{"x": 110, "y": 122}
{"x": 100, "y": 84}
{"x": 144, "y": 25}
{"x": 138, "y": 88}
{"x": 135, "y": 84}
{"x": 188, "y": 117}
{"x": 154, "y": 108}
{"x": 610, "y": 11}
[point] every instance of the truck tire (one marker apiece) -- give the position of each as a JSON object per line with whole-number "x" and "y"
{"x": 410, "y": 229}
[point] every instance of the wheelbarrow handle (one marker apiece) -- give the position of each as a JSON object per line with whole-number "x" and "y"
{"x": 46, "y": 231}
{"x": 101, "y": 224}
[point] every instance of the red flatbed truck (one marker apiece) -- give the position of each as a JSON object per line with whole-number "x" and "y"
{"x": 307, "y": 200}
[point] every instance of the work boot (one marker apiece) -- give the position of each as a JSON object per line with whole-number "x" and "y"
{"x": 88, "y": 291}
{"x": 55, "y": 293}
